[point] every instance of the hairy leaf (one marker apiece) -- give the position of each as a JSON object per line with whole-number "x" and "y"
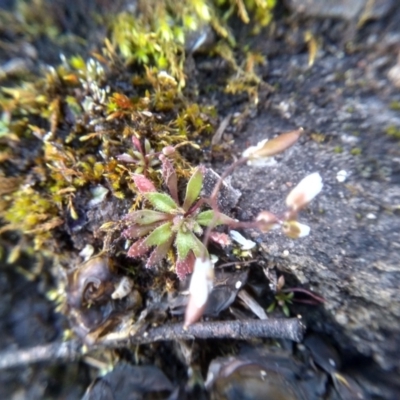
{"x": 146, "y": 217}
{"x": 138, "y": 249}
{"x": 143, "y": 184}
{"x": 193, "y": 188}
{"x": 205, "y": 218}
{"x": 136, "y": 231}
{"x": 159, "y": 253}
{"x": 186, "y": 241}
{"x": 185, "y": 266}
{"x": 169, "y": 176}
{"x": 160, "y": 235}
{"x": 161, "y": 201}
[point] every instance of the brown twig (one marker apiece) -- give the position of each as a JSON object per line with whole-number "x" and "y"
{"x": 66, "y": 351}
{"x": 291, "y": 329}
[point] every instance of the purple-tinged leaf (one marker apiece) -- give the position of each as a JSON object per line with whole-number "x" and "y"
{"x": 138, "y": 249}
{"x": 169, "y": 176}
{"x": 185, "y": 266}
{"x": 159, "y": 253}
{"x": 136, "y": 144}
{"x": 221, "y": 238}
{"x": 125, "y": 157}
{"x": 136, "y": 231}
{"x": 193, "y": 188}
{"x": 145, "y": 217}
{"x": 168, "y": 150}
{"x": 143, "y": 184}
{"x": 160, "y": 235}
{"x": 161, "y": 202}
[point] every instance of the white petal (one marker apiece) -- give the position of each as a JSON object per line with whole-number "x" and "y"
{"x": 201, "y": 282}
{"x": 304, "y": 230}
{"x": 305, "y": 191}
{"x": 246, "y": 244}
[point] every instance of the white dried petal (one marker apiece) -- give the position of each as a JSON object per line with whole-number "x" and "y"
{"x": 201, "y": 285}
{"x": 201, "y": 282}
{"x": 305, "y": 191}
{"x": 246, "y": 244}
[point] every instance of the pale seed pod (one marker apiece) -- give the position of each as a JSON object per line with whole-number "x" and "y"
{"x": 308, "y": 188}
{"x": 268, "y": 148}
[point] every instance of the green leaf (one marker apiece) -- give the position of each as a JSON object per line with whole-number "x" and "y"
{"x": 193, "y": 188}
{"x": 186, "y": 241}
{"x": 286, "y": 311}
{"x": 146, "y": 217}
{"x": 161, "y": 201}
{"x": 205, "y": 218}
{"x": 271, "y": 307}
{"x": 160, "y": 235}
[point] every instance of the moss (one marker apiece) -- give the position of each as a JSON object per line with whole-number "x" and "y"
{"x": 393, "y": 131}
{"x": 394, "y": 105}
{"x": 338, "y": 149}
{"x": 356, "y": 151}
{"x": 65, "y": 128}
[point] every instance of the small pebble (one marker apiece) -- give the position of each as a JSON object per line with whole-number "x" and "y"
{"x": 341, "y": 176}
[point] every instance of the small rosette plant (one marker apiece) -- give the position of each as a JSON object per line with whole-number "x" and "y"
{"x": 171, "y": 223}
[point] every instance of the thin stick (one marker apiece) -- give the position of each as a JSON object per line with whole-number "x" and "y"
{"x": 291, "y": 329}
{"x": 53, "y": 351}
{"x": 213, "y": 199}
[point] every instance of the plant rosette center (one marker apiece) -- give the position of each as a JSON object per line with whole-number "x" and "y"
{"x": 168, "y": 224}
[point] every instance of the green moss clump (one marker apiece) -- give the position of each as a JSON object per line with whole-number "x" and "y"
{"x": 356, "y": 151}
{"x": 394, "y": 105}
{"x": 393, "y": 131}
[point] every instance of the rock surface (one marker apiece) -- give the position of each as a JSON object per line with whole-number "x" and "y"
{"x": 352, "y": 255}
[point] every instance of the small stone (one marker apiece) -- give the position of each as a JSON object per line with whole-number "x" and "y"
{"x": 341, "y": 318}
{"x": 341, "y": 176}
